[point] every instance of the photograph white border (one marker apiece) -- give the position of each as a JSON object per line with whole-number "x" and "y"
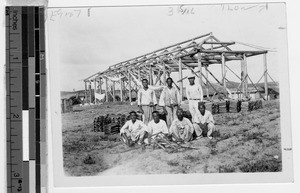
{"x": 61, "y": 180}
{"x": 294, "y": 61}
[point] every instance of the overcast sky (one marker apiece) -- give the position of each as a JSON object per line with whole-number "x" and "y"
{"x": 83, "y": 41}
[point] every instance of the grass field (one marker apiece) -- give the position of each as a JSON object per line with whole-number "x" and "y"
{"x": 248, "y": 142}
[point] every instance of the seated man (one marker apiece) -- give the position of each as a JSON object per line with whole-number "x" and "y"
{"x": 181, "y": 128}
{"x": 157, "y": 125}
{"x": 133, "y": 130}
{"x": 204, "y": 122}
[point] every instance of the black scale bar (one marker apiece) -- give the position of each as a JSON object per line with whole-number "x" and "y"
{"x": 25, "y": 83}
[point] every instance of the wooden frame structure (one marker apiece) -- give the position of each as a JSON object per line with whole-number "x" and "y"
{"x": 199, "y": 52}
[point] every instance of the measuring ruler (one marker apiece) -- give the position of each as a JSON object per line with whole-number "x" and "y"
{"x": 25, "y": 99}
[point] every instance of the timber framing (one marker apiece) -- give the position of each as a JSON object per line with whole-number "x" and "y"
{"x": 199, "y": 52}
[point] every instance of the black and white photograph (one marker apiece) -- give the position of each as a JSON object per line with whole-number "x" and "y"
{"x": 170, "y": 91}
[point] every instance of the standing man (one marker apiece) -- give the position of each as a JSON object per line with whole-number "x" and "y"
{"x": 133, "y": 130}
{"x": 204, "y": 122}
{"x": 170, "y": 100}
{"x": 181, "y": 128}
{"x": 194, "y": 95}
{"x": 146, "y": 101}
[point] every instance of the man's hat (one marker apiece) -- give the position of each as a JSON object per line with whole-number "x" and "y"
{"x": 191, "y": 76}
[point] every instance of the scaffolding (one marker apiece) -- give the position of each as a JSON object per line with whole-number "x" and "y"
{"x": 199, "y": 52}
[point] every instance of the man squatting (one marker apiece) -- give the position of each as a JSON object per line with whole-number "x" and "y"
{"x": 177, "y": 128}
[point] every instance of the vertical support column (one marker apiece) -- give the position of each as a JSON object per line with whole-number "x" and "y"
{"x": 139, "y": 74}
{"x": 207, "y": 84}
{"x": 266, "y": 77}
{"x": 85, "y": 91}
{"x": 129, "y": 87}
{"x": 100, "y": 85}
{"x": 113, "y": 91}
{"x": 90, "y": 92}
{"x": 164, "y": 73}
{"x": 223, "y": 74}
{"x": 245, "y": 75}
{"x": 200, "y": 69}
{"x": 121, "y": 90}
{"x": 151, "y": 75}
{"x": 180, "y": 77}
{"x": 106, "y": 89}
{"x": 95, "y": 90}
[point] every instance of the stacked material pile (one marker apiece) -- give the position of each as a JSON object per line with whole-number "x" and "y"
{"x": 233, "y": 106}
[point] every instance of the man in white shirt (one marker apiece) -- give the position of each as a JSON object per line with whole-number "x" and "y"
{"x": 204, "y": 122}
{"x": 157, "y": 125}
{"x": 133, "y": 130}
{"x": 170, "y": 100}
{"x": 146, "y": 101}
{"x": 181, "y": 128}
{"x": 194, "y": 95}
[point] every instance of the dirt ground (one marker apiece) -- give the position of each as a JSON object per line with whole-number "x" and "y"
{"x": 248, "y": 142}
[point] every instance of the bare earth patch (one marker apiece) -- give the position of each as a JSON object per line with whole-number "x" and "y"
{"x": 248, "y": 142}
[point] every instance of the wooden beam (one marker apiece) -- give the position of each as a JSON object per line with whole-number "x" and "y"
{"x": 200, "y": 69}
{"x": 90, "y": 91}
{"x": 227, "y": 43}
{"x": 129, "y": 87}
{"x": 180, "y": 77}
{"x": 223, "y": 74}
{"x": 226, "y": 47}
{"x": 266, "y": 77}
{"x": 106, "y": 89}
{"x": 150, "y": 75}
{"x": 95, "y": 88}
{"x": 121, "y": 90}
{"x": 246, "y": 75}
{"x": 100, "y": 85}
{"x": 233, "y": 52}
{"x": 243, "y": 76}
{"x": 207, "y": 86}
{"x": 85, "y": 91}
{"x": 113, "y": 91}
{"x": 139, "y": 74}
{"x": 164, "y": 74}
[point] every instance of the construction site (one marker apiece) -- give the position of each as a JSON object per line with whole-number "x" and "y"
{"x": 246, "y": 114}
{"x": 195, "y": 55}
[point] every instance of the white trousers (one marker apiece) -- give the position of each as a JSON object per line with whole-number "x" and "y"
{"x": 193, "y": 108}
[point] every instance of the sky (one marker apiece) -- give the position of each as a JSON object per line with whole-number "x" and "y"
{"x": 83, "y": 41}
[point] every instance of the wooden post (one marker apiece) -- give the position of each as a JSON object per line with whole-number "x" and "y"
{"x": 139, "y": 74}
{"x": 129, "y": 86}
{"x": 180, "y": 77}
{"x": 223, "y": 74}
{"x": 85, "y": 91}
{"x": 113, "y": 91}
{"x": 164, "y": 74}
{"x": 106, "y": 89}
{"x": 151, "y": 75}
{"x": 266, "y": 77}
{"x": 207, "y": 84}
{"x": 100, "y": 85}
{"x": 200, "y": 69}
{"x": 90, "y": 92}
{"x": 245, "y": 75}
{"x": 95, "y": 88}
{"x": 121, "y": 90}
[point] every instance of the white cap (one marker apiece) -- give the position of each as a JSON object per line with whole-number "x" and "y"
{"x": 191, "y": 76}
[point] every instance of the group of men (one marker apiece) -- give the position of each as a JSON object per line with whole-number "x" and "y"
{"x": 176, "y": 127}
